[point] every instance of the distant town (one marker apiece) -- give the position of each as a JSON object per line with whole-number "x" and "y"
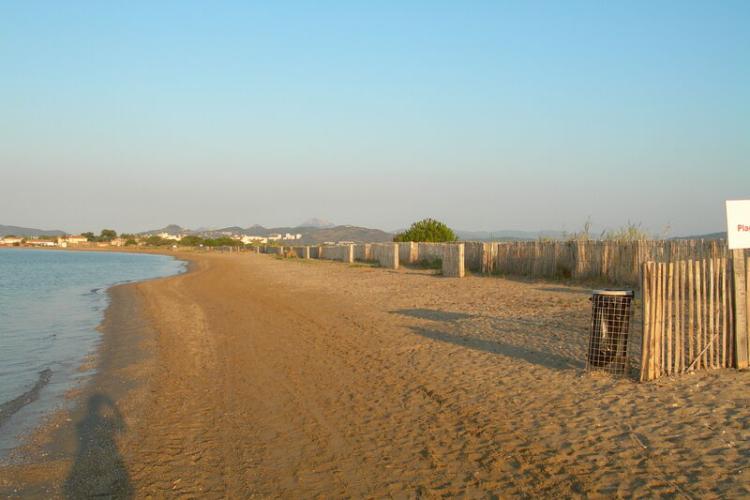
{"x": 109, "y": 238}
{"x": 310, "y": 232}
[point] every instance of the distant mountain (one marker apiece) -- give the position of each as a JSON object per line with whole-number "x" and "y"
{"x": 507, "y": 235}
{"x": 343, "y": 233}
{"x": 320, "y": 223}
{"x": 311, "y": 235}
{"x": 29, "y": 231}
{"x": 170, "y": 229}
{"x": 710, "y": 236}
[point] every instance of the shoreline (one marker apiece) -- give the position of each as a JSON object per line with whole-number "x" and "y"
{"x": 39, "y": 463}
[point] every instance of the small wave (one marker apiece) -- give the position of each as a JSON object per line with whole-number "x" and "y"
{"x": 10, "y": 407}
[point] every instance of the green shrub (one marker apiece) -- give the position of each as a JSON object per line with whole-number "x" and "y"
{"x": 107, "y": 235}
{"x": 224, "y": 241}
{"x": 427, "y": 230}
{"x": 629, "y": 232}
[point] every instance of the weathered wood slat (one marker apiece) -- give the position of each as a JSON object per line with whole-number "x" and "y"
{"x": 747, "y": 306}
{"x": 725, "y": 315}
{"x": 691, "y": 310}
{"x": 653, "y": 339}
{"x": 731, "y": 358}
{"x": 710, "y": 329}
{"x": 706, "y": 334}
{"x": 740, "y": 280}
{"x": 698, "y": 309}
{"x": 646, "y": 296}
{"x": 659, "y": 321}
{"x": 718, "y": 347}
{"x": 670, "y": 300}
{"x": 679, "y": 347}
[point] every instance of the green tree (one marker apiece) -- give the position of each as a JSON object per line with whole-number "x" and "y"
{"x": 191, "y": 241}
{"x": 89, "y": 236}
{"x": 427, "y": 230}
{"x": 107, "y": 235}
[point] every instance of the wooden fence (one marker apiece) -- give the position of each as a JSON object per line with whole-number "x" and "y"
{"x": 613, "y": 262}
{"x": 609, "y": 262}
{"x": 741, "y": 289}
{"x": 385, "y": 254}
{"x": 695, "y": 315}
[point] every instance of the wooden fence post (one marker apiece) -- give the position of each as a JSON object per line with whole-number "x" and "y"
{"x": 647, "y": 295}
{"x": 739, "y": 282}
{"x": 453, "y": 260}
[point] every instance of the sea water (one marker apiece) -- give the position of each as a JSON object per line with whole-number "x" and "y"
{"x": 51, "y": 303}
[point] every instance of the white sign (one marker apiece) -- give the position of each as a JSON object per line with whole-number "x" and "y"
{"x": 738, "y": 224}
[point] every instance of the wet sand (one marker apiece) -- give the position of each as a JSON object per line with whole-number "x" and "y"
{"x": 254, "y": 376}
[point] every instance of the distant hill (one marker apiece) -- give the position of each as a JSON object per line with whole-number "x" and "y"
{"x": 29, "y": 231}
{"x": 343, "y": 233}
{"x": 170, "y": 229}
{"x": 314, "y": 235}
{"x": 311, "y": 235}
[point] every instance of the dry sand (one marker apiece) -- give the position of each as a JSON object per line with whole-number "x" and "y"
{"x": 254, "y": 376}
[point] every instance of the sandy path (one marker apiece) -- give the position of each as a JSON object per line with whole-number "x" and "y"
{"x": 291, "y": 378}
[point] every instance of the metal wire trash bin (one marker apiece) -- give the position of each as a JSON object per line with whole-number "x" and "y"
{"x": 610, "y": 326}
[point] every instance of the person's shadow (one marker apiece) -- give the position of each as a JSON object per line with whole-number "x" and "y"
{"x": 99, "y": 470}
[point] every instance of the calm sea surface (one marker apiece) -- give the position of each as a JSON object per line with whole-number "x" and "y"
{"x": 50, "y": 305}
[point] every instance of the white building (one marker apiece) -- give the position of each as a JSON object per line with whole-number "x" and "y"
{"x": 73, "y": 240}
{"x": 41, "y": 243}
{"x": 10, "y": 241}
{"x": 254, "y": 239}
{"x": 167, "y": 236}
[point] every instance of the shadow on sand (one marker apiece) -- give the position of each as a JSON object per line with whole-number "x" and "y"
{"x": 561, "y": 289}
{"x": 546, "y": 359}
{"x": 433, "y": 314}
{"x": 99, "y": 470}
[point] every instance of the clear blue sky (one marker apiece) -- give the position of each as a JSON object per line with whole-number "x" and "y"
{"x": 487, "y": 115}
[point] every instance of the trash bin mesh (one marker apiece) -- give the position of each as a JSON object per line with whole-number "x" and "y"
{"x": 610, "y": 325}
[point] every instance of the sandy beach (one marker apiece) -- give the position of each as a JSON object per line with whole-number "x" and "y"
{"x": 256, "y": 376}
